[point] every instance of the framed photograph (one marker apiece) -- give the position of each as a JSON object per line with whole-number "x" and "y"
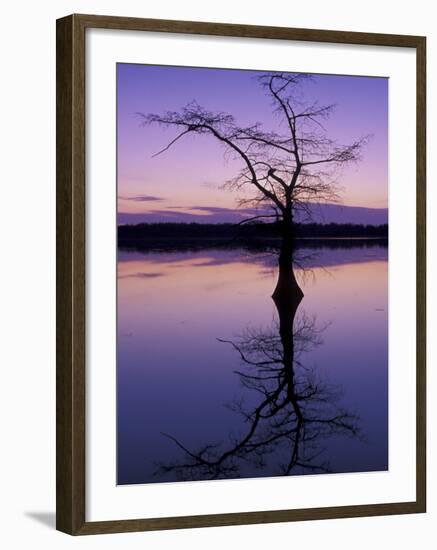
{"x": 240, "y": 274}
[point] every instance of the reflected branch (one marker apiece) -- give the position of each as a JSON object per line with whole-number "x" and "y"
{"x": 287, "y": 409}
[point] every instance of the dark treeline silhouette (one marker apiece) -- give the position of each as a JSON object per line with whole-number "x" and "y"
{"x": 195, "y": 235}
{"x": 229, "y": 230}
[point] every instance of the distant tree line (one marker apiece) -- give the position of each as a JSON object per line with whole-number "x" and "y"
{"x": 251, "y": 231}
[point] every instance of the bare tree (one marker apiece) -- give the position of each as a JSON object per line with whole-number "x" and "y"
{"x": 282, "y": 170}
{"x": 287, "y": 168}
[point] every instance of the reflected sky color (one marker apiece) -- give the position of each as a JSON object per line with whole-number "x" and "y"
{"x": 190, "y": 174}
{"x": 174, "y": 376}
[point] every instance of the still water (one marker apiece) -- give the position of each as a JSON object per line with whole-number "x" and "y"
{"x": 216, "y": 379}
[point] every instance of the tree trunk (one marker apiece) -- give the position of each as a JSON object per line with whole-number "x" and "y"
{"x": 287, "y": 294}
{"x": 287, "y": 288}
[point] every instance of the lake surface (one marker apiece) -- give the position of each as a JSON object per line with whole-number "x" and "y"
{"x": 215, "y": 381}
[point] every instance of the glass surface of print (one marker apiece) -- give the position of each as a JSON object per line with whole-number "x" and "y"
{"x": 252, "y": 274}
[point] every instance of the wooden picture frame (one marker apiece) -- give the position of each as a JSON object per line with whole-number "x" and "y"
{"x": 71, "y": 253}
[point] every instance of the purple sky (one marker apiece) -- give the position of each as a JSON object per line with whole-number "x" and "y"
{"x": 184, "y": 182}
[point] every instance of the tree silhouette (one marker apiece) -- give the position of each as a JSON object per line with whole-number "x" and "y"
{"x": 284, "y": 169}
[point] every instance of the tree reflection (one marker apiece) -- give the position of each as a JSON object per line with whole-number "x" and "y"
{"x": 286, "y": 407}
